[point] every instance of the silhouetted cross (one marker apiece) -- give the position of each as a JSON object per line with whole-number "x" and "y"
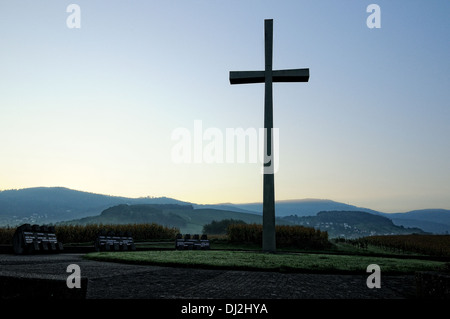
{"x": 268, "y": 76}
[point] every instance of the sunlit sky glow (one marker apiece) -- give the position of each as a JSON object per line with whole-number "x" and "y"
{"x": 94, "y": 108}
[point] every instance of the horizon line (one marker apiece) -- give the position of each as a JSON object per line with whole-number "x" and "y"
{"x": 221, "y": 203}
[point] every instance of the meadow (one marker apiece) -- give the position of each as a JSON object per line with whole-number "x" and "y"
{"x": 282, "y": 262}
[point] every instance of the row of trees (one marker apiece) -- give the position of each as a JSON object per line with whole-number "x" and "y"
{"x": 88, "y": 233}
{"x": 435, "y": 245}
{"x": 238, "y": 231}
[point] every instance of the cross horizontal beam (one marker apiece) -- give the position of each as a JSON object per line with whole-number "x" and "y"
{"x": 247, "y": 77}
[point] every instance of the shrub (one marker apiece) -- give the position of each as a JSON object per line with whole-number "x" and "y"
{"x": 6, "y": 235}
{"x": 220, "y": 227}
{"x": 286, "y": 236}
{"x": 435, "y": 245}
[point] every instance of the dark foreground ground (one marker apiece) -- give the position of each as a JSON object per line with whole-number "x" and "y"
{"x": 120, "y": 281}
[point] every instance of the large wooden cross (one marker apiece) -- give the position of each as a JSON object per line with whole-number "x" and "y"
{"x": 268, "y": 76}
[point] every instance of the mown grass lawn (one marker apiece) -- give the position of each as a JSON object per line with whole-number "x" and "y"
{"x": 239, "y": 260}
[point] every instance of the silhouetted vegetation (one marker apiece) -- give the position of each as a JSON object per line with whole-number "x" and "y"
{"x": 6, "y": 235}
{"x": 432, "y": 245}
{"x": 292, "y": 236}
{"x": 435, "y": 245}
{"x": 88, "y": 233}
{"x": 220, "y": 227}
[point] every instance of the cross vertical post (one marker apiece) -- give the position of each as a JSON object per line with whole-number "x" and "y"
{"x": 268, "y": 238}
{"x": 268, "y": 76}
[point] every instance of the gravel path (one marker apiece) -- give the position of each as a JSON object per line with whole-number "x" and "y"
{"x": 120, "y": 281}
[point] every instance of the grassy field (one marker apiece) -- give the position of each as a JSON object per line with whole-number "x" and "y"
{"x": 284, "y": 262}
{"x": 219, "y": 242}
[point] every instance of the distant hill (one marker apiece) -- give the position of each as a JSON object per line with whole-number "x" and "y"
{"x": 183, "y": 217}
{"x": 229, "y": 207}
{"x": 165, "y": 215}
{"x": 430, "y": 220}
{"x": 53, "y": 204}
{"x": 304, "y": 207}
{"x": 351, "y": 224}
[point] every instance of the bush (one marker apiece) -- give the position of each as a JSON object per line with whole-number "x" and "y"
{"x": 6, "y": 235}
{"x": 286, "y": 236}
{"x": 220, "y": 227}
{"x": 434, "y": 245}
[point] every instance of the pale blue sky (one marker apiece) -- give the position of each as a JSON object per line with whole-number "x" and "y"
{"x": 94, "y": 108}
